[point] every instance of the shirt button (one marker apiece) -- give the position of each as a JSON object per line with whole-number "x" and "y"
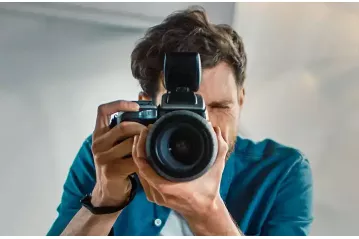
{"x": 158, "y": 222}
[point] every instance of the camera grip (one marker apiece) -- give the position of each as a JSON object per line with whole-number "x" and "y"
{"x": 146, "y": 115}
{"x": 132, "y": 117}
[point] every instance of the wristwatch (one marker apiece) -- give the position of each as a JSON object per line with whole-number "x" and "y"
{"x": 86, "y": 201}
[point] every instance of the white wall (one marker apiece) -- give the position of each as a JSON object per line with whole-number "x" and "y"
{"x": 53, "y": 76}
{"x": 54, "y": 72}
{"x": 303, "y": 90}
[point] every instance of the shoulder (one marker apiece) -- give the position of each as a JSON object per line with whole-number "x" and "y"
{"x": 269, "y": 152}
{"x": 83, "y": 166}
{"x": 269, "y": 162}
{"x": 85, "y": 151}
{"x": 273, "y": 182}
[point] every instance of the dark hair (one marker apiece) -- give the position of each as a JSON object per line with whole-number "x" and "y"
{"x": 187, "y": 30}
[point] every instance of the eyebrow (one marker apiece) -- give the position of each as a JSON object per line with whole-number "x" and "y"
{"x": 220, "y": 103}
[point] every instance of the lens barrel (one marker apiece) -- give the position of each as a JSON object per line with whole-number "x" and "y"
{"x": 181, "y": 146}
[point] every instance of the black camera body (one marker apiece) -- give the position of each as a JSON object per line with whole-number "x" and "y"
{"x": 181, "y": 144}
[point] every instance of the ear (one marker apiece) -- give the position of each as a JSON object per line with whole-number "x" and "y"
{"x": 143, "y": 96}
{"x": 241, "y": 96}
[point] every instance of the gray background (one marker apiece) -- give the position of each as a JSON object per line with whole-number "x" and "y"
{"x": 58, "y": 61}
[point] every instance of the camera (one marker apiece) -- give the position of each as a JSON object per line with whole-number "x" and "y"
{"x": 181, "y": 145}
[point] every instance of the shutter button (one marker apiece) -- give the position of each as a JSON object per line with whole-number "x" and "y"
{"x": 158, "y": 222}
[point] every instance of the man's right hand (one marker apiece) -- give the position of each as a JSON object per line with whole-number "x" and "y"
{"x": 112, "y": 164}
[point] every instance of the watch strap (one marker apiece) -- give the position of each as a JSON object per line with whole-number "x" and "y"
{"x": 86, "y": 201}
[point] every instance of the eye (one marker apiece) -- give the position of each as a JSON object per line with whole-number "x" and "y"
{"x": 219, "y": 106}
{"x": 226, "y": 104}
{"x": 222, "y": 107}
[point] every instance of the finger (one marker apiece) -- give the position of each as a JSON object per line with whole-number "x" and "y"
{"x": 144, "y": 168}
{"x": 134, "y": 152}
{"x": 117, "y": 134}
{"x": 124, "y": 167}
{"x": 156, "y": 196}
{"x": 222, "y": 147}
{"x": 124, "y": 130}
{"x": 117, "y": 152}
{"x": 104, "y": 112}
{"x": 147, "y": 189}
{"x": 146, "y": 171}
{"x": 134, "y": 145}
{"x": 141, "y": 144}
{"x": 151, "y": 193}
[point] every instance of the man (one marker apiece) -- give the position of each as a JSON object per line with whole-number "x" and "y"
{"x": 259, "y": 188}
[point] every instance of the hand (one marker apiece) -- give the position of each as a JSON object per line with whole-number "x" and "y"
{"x": 191, "y": 199}
{"x": 112, "y": 166}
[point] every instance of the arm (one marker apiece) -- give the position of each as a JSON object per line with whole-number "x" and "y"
{"x": 100, "y": 169}
{"x": 72, "y": 218}
{"x": 217, "y": 221}
{"x": 291, "y": 214}
{"x": 85, "y": 223}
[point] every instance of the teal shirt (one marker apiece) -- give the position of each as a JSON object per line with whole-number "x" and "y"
{"x": 267, "y": 188}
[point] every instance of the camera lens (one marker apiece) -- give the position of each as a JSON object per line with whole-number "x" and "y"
{"x": 185, "y": 144}
{"x": 181, "y": 146}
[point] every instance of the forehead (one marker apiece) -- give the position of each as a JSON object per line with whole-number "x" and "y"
{"x": 218, "y": 83}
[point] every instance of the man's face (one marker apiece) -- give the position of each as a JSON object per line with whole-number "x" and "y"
{"x": 223, "y": 98}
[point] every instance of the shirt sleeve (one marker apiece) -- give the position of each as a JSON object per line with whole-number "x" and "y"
{"x": 79, "y": 182}
{"x": 291, "y": 214}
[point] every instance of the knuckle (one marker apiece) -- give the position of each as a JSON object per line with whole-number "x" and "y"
{"x": 120, "y": 129}
{"x": 106, "y": 171}
{"x": 101, "y": 109}
{"x": 100, "y": 158}
{"x": 121, "y": 104}
{"x": 95, "y": 145}
{"x": 94, "y": 148}
{"x": 124, "y": 104}
{"x": 123, "y": 130}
